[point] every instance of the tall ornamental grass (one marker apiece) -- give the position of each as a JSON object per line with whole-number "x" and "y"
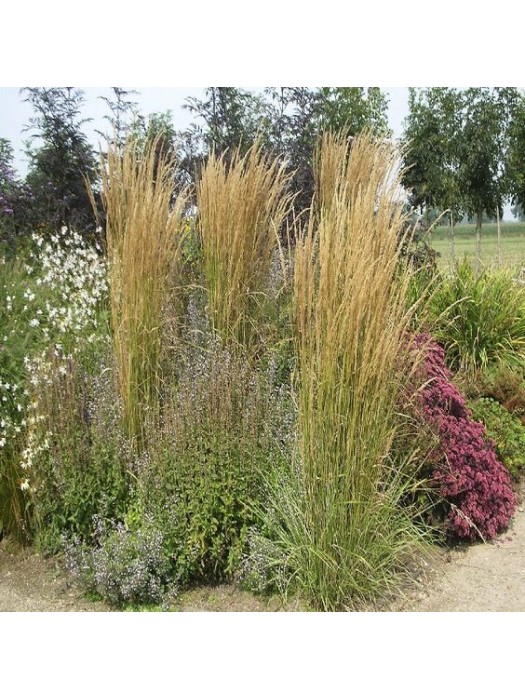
{"x": 351, "y": 328}
{"x": 242, "y": 205}
{"x": 144, "y": 233}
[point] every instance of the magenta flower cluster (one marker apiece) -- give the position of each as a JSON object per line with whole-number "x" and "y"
{"x": 474, "y": 483}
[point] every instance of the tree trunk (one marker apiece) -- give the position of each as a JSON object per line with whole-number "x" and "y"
{"x": 452, "y": 242}
{"x": 478, "y": 242}
{"x": 500, "y": 252}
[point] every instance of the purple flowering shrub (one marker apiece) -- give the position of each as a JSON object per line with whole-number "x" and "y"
{"x": 474, "y": 484}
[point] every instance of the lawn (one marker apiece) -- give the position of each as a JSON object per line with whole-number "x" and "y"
{"x": 512, "y": 244}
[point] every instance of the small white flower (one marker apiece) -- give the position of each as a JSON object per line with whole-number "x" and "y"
{"x": 24, "y": 485}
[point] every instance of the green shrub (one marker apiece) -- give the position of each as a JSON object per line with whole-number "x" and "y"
{"x": 506, "y": 431}
{"x": 79, "y": 461}
{"x": 224, "y": 424}
{"x": 200, "y": 500}
{"x": 507, "y": 387}
{"x": 480, "y": 320}
{"x": 504, "y": 384}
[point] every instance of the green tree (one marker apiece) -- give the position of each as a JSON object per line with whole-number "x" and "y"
{"x": 516, "y": 157}
{"x": 353, "y": 109}
{"x": 61, "y": 161}
{"x": 431, "y": 142}
{"x": 484, "y": 147}
{"x": 122, "y": 116}
{"x": 228, "y": 117}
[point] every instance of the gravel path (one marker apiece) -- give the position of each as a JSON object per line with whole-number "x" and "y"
{"x": 479, "y": 578}
{"x": 30, "y": 583}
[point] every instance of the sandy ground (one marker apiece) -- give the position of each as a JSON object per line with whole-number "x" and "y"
{"x": 480, "y": 578}
{"x": 32, "y": 583}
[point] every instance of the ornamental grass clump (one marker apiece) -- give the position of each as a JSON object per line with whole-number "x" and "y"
{"x": 479, "y": 319}
{"x": 474, "y": 484}
{"x": 145, "y": 231}
{"x": 242, "y": 206}
{"x": 347, "y": 537}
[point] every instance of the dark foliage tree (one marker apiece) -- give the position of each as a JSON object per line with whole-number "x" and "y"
{"x": 60, "y": 160}
{"x": 15, "y": 198}
{"x": 297, "y": 116}
{"x": 157, "y": 130}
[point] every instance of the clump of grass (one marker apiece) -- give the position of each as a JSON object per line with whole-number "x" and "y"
{"x": 242, "y": 205}
{"x": 144, "y": 234}
{"x": 479, "y": 319}
{"x": 348, "y": 533}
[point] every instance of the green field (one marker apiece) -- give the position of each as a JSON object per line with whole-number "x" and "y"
{"x": 512, "y": 244}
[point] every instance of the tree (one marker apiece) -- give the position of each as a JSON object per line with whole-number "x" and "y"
{"x": 293, "y": 118}
{"x": 158, "y": 130}
{"x": 61, "y": 161}
{"x": 353, "y": 109}
{"x": 288, "y": 121}
{"x": 231, "y": 118}
{"x": 516, "y": 157}
{"x": 517, "y": 211}
{"x": 431, "y": 143}
{"x": 297, "y": 116}
{"x": 431, "y": 154}
{"x": 123, "y": 114}
{"x": 15, "y": 197}
{"x": 484, "y": 147}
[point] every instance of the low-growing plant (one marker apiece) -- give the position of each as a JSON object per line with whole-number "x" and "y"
{"x": 220, "y": 435}
{"x": 475, "y": 486}
{"x": 504, "y": 384}
{"x": 505, "y": 430}
{"x": 124, "y": 566}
